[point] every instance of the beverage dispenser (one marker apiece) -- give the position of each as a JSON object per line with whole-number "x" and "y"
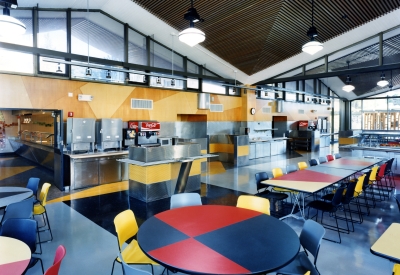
{"x": 148, "y": 132}
{"x": 109, "y": 134}
{"x": 80, "y": 134}
{"x": 129, "y": 134}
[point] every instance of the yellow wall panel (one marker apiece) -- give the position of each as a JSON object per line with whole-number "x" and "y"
{"x": 106, "y": 98}
{"x": 196, "y": 168}
{"x": 13, "y": 93}
{"x": 150, "y": 174}
{"x": 221, "y": 148}
{"x": 243, "y": 150}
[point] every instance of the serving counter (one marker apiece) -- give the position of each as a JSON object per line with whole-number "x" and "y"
{"x": 158, "y": 172}
{"x": 267, "y": 147}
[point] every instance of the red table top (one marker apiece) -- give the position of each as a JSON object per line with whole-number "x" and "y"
{"x": 216, "y": 239}
{"x": 307, "y": 175}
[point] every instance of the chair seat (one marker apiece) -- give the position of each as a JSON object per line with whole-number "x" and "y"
{"x": 278, "y": 189}
{"x": 272, "y": 195}
{"x": 300, "y": 265}
{"x": 133, "y": 254}
{"x": 38, "y": 209}
{"x": 322, "y": 205}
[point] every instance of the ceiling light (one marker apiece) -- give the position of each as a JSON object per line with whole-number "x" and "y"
{"x": 59, "y": 69}
{"x": 191, "y": 35}
{"x": 108, "y": 74}
{"x": 88, "y": 71}
{"x": 348, "y": 87}
{"x": 312, "y": 46}
{"x": 10, "y": 25}
{"x": 383, "y": 82}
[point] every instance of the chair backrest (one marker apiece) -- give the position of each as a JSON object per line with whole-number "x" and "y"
{"x": 277, "y": 172}
{"x": 322, "y": 160}
{"x": 254, "y": 203}
{"x": 372, "y": 176}
{"x": 19, "y": 210}
{"x": 382, "y": 169}
{"x": 307, "y": 273}
{"x": 311, "y": 236}
{"x": 330, "y": 157}
{"x": 21, "y": 229}
{"x": 350, "y": 192}
{"x": 259, "y": 178}
{"x": 291, "y": 168}
{"x": 359, "y": 186}
{"x": 337, "y": 198}
{"x": 33, "y": 184}
{"x": 58, "y": 257}
{"x": 302, "y": 165}
{"x": 366, "y": 179}
{"x": 389, "y": 166}
{"x": 185, "y": 199}
{"x": 396, "y": 269}
{"x": 337, "y": 156}
{"x": 313, "y": 162}
{"x": 129, "y": 269}
{"x": 397, "y": 197}
{"x": 125, "y": 226}
{"x": 43, "y": 193}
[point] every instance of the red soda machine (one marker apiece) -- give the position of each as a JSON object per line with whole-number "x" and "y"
{"x": 145, "y": 133}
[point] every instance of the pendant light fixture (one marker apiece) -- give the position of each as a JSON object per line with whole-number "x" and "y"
{"x": 88, "y": 70}
{"x": 312, "y": 46}
{"x": 191, "y": 35}
{"x": 59, "y": 68}
{"x": 10, "y": 26}
{"x": 391, "y": 81}
{"x": 383, "y": 82}
{"x": 172, "y": 60}
{"x": 348, "y": 87}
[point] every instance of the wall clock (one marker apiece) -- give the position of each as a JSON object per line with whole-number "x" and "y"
{"x": 252, "y": 111}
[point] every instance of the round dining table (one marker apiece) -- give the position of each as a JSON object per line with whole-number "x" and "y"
{"x": 217, "y": 239}
{"x": 14, "y": 256}
{"x": 13, "y": 194}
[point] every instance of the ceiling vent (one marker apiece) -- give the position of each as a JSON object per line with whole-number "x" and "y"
{"x": 218, "y": 108}
{"x": 141, "y": 104}
{"x": 266, "y": 110}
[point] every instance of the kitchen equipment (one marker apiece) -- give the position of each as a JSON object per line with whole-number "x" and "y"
{"x": 147, "y": 131}
{"x": 80, "y": 134}
{"x": 129, "y": 136}
{"x": 164, "y": 141}
{"x": 109, "y": 134}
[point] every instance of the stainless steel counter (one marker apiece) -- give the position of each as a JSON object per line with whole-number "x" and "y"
{"x": 140, "y": 163}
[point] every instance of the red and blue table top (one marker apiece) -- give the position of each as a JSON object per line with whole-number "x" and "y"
{"x": 216, "y": 239}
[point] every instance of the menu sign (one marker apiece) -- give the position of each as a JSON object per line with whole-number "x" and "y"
{"x": 150, "y": 126}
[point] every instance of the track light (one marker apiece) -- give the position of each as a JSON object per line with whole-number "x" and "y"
{"x": 88, "y": 72}
{"x": 348, "y": 87}
{"x": 108, "y": 74}
{"x": 312, "y": 46}
{"x": 10, "y": 26}
{"x": 191, "y": 35}
{"x": 172, "y": 82}
{"x": 158, "y": 80}
{"x": 383, "y": 82}
{"x": 59, "y": 69}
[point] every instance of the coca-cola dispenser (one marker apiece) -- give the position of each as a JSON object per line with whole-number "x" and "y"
{"x": 147, "y": 133}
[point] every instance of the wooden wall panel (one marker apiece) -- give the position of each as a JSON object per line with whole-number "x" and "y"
{"x": 13, "y": 92}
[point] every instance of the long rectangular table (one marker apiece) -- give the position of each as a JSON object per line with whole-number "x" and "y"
{"x": 387, "y": 246}
{"x": 315, "y": 178}
{"x": 310, "y": 180}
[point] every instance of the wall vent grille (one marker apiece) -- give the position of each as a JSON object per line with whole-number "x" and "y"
{"x": 216, "y": 108}
{"x": 141, "y": 104}
{"x": 301, "y": 111}
{"x": 266, "y": 110}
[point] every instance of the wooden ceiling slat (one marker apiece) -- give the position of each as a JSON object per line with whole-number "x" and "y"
{"x": 255, "y": 34}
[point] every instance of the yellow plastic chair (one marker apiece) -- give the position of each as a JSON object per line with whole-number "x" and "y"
{"x": 373, "y": 183}
{"x": 277, "y": 172}
{"x": 40, "y": 209}
{"x": 126, "y": 228}
{"x": 302, "y": 165}
{"x": 307, "y": 273}
{"x": 254, "y": 203}
{"x": 396, "y": 269}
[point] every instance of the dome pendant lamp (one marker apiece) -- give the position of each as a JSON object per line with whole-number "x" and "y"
{"x": 348, "y": 87}
{"x": 383, "y": 82}
{"x": 10, "y": 26}
{"x": 313, "y": 46}
{"x": 191, "y": 35}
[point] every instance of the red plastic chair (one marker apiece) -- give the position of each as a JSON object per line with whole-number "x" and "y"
{"x": 60, "y": 254}
{"x": 330, "y": 157}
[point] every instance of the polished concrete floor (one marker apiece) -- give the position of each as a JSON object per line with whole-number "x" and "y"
{"x": 83, "y": 220}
